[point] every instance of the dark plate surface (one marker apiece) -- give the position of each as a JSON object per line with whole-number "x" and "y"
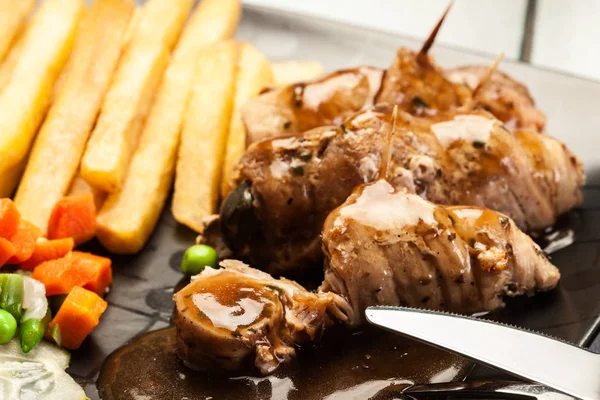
{"x": 140, "y": 299}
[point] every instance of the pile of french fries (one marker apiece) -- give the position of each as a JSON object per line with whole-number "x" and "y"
{"x": 123, "y": 101}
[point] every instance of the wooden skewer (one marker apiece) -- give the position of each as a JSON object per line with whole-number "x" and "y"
{"x": 422, "y": 56}
{"x": 486, "y": 77}
{"x": 388, "y": 150}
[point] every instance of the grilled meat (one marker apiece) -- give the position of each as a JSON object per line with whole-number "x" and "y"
{"x": 502, "y": 95}
{"x": 387, "y": 246}
{"x": 303, "y": 106}
{"x": 419, "y": 87}
{"x": 236, "y": 315}
{"x": 290, "y": 185}
{"x": 383, "y": 246}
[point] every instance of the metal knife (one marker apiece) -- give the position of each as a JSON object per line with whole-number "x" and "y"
{"x": 534, "y": 356}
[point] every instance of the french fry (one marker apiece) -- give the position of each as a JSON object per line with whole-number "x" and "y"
{"x": 204, "y": 136}
{"x": 212, "y": 22}
{"x": 12, "y": 18}
{"x": 25, "y": 98}
{"x": 160, "y": 23}
{"x": 8, "y": 66}
{"x": 10, "y": 180}
{"x": 290, "y": 72}
{"x": 128, "y": 217}
{"x": 106, "y": 159}
{"x": 58, "y": 148}
{"x": 255, "y": 72}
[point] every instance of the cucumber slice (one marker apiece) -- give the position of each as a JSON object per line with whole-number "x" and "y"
{"x": 39, "y": 374}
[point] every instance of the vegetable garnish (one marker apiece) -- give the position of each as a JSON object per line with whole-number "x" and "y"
{"x": 75, "y": 269}
{"x": 46, "y": 250}
{"x": 78, "y": 316}
{"x": 9, "y": 218}
{"x": 8, "y": 326}
{"x": 47, "y": 363}
{"x": 73, "y": 217}
{"x": 32, "y": 331}
{"x": 7, "y": 250}
{"x": 198, "y": 257}
{"x": 11, "y": 297}
{"x": 24, "y": 241}
{"x": 37, "y": 314}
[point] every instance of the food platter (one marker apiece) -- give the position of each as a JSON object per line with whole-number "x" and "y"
{"x": 141, "y": 296}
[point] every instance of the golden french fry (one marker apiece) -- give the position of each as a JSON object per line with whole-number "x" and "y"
{"x": 12, "y": 18}
{"x": 106, "y": 159}
{"x": 7, "y": 67}
{"x": 10, "y": 180}
{"x": 25, "y": 98}
{"x": 128, "y": 217}
{"x": 160, "y": 23}
{"x": 290, "y": 72}
{"x": 58, "y": 148}
{"x": 212, "y": 22}
{"x": 255, "y": 72}
{"x": 204, "y": 136}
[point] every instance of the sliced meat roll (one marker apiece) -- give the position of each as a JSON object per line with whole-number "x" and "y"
{"x": 419, "y": 87}
{"x": 305, "y": 105}
{"x": 287, "y": 187}
{"x": 232, "y": 317}
{"x": 503, "y": 96}
{"x": 386, "y": 246}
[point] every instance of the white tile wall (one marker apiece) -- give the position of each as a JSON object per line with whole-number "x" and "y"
{"x": 566, "y": 36}
{"x": 487, "y": 26}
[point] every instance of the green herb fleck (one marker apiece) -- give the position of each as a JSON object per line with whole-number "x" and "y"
{"x": 305, "y": 156}
{"x": 275, "y": 288}
{"x": 451, "y": 219}
{"x": 344, "y": 129}
{"x": 298, "y": 170}
{"x": 419, "y": 102}
{"x": 479, "y": 145}
{"x": 236, "y": 334}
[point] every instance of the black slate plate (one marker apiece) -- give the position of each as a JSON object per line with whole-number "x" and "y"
{"x": 140, "y": 299}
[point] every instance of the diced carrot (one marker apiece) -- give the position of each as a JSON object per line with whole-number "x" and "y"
{"x": 46, "y": 250}
{"x": 75, "y": 269}
{"x": 24, "y": 240}
{"x": 101, "y": 271}
{"x": 73, "y": 216}
{"x": 9, "y": 218}
{"x": 56, "y": 276}
{"x": 77, "y": 317}
{"x": 7, "y": 250}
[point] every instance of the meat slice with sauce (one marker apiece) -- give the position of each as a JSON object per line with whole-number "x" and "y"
{"x": 236, "y": 316}
{"x": 287, "y": 187}
{"x": 387, "y": 246}
{"x": 416, "y": 85}
{"x": 305, "y": 105}
{"x": 503, "y": 96}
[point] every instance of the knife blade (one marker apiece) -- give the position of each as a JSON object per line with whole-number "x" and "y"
{"x": 529, "y": 355}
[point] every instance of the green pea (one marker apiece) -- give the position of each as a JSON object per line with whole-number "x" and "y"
{"x": 197, "y": 257}
{"x": 8, "y": 326}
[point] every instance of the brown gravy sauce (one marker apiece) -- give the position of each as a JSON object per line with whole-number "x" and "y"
{"x": 364, "y": 364}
